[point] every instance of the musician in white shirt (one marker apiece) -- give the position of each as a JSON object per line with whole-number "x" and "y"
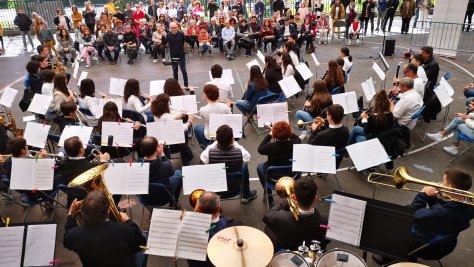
{"x": 410, "y": 102}
{"x": 225, "y": 88}
{"x": 131, "y": 97}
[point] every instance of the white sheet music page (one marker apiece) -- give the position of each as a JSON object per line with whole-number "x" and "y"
{"x": 379, "y": 71}
{"x": 36, "y": 134}
{"x": 346, "y": 218}
{"x": 348, "y": 101}
{"x": 8, "y": 97}
{"x": 367, "y": 154}
{"x": 29, "y": 174}
{"x": 289, "y": 86}
{"x": 117, "y": 86}
{"x": 193, "y": 236}
{"x": 184, "y": 103}
{"x": 156, "y": 87}
{"x": 40, "y": 244}
{"x": 82, "y": 77}
{"x": 443, "y": 95}
{"x": 170, "y": 131}
{"x": 210, "y": 177}
{"x": 234, "y": 121}
{"x": 368, "y": 88}
{"x": 446, "y": 86}
{"x": 324, "y": 159}
{"x": 304, "y": 71}
{"x": 273, "y": 112}
{"x": 253, "y": 63}
{"x": 126, "y": 179}
{"x": 29, "y": 118}
{"x": 315, "y": 59}
{"x": 228, "y": 76}
{"x": 302, "y": 158}
{"x": 40, "y": 104}
{"x": 101, "y": 104}
{"x": 122, "y": 134}
{"x": 76, "y": 70}
{"x": 83, "y": 132}
{"x": 261, "y": 56}
{"x": 11, "y": 245}
{"x": 163, "y": 233}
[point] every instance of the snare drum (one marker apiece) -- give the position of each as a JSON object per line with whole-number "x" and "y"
{"x": 288, "y": 259}
{"x": 340, "y": 258}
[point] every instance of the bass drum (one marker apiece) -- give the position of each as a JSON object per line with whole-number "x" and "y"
{"x": 288, "y": 259}
{"x": 340, "y": 258}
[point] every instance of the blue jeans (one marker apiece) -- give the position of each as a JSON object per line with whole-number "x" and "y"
{"x": 357, "y": 135}
{"x": 469, "y": 93}
{"x": 176, "y": 182}
{"x": 182, "y": 65}
{"x": 149, "y": 116}
{"x": 201, "y": 138}
{"x": 108, "y": 55}
{"x": 453, "y": 124}
{"x": 244, "y": 106}
{"x": 304, "y": 116}
{"x": 463, "y": 129}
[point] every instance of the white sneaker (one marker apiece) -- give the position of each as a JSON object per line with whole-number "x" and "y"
{"x": 452, "y": 150}
{"x": 88, "y": 65}
{"x": 437, "y": 137}
{"x": 164, "y": 60}
{"x": 350, "y": 42}
{"x": 357, "y": 41}
{"x": 155, "y": 60}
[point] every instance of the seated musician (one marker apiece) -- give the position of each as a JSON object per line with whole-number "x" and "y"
{"x": 410, "y": 71}
{"x": 68, "y": 117}
{"x": 161, "y": 169}
{"x": 288, "y": 233}
{"x": 410, "y": 102}
{"x": 210, "y": 203}
{"x": 132, "y": 100}
{"x": 100, "y": 242}
{"x": 227, "y": 150}
{"x": 335, "y": 135}
{"x": 130, "y": 44}
{"x": 278, "y": 152}
{"x": 225, "y": 88}
{"x": 257, "y": 87}
{"x": 211, "y": 94}
{"x": 378, "y": 121}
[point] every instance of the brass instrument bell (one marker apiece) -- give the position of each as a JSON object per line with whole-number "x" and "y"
{"x": 193, "y": 198}
{"x": 285, "y": 187}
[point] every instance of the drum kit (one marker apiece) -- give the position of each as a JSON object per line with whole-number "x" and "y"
{"x": 243, "y": 246}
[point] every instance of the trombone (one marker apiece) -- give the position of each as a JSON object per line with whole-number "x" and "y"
{"x": 401, "y": 177}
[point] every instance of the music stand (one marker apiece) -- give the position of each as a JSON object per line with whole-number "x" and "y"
{"x": 387, "y": 228}
{"x": 384, "y": 66}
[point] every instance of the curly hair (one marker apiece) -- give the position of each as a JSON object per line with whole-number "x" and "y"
{"x": 281, "y": 131}
{"x": 172, "y": 88}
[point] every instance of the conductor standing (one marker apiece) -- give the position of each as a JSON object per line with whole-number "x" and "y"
{"x": 175, "y": 39}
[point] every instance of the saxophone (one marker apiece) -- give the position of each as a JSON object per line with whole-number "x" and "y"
{"x": 11, "y": 125}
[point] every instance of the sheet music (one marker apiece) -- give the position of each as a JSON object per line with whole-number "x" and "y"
{"x": 289, "y": 86}
{"x": 210, "y": 177}
{"x": 83, "y": 132}
{"x": 348, "y": 101}
{"x": 261, "y": 56}
{"x": 11, "y": 245}
{"x": 40, "y": 104}
{"x": 163, "y": 233}
{"x": 156, "y": 87}
{"x": 82, "y": 77}
{"x": 443, "y": 95}
{"x": 252, "y": 63}
{"x": 101, "y": 103}
{"x": 184, "y": 103}
{"x": 8, "y": 97}
{"x": 123, "y": 179}
{"x": 117, "y": 86}
{"x": 379, "y": 71}
{"x": 449, "y": 89}
{"x": 273, "y": 112}
{"x": 315, "y": 59}
{"x": 304, "y": 71}
{"x": 40, "y": 244}
{"x": 234, "y": 121}
{"x": 368, "y": 88}
{"x": 76, "y": 70}
{"x": 367, "y": 154}
{"x": 227, "y": 76}
{"x": 193, "y": 236}
{"x": 29, "y": 174}
{"x": 171, "y": 131}
{"x": 36, "y": 134}
{"x": 346, "y": 218}
{"x": 122, "y": 133}
{"x": 29, "y": 118}
{"x": 309, "y": 158}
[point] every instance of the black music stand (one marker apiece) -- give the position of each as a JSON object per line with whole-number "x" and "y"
{"x": 386, "y": 229}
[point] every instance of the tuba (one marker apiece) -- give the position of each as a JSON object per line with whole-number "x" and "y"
{"x": 93, "y": 179}
{"x": 193, "y": 198}
{"x": 285, "y": 187}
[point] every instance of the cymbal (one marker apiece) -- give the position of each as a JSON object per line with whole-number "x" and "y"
{"x": 240, "y": 246}
{"x": 408, "y": 264}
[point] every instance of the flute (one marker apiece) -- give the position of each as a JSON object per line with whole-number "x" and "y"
{"x": 189, "y": 113}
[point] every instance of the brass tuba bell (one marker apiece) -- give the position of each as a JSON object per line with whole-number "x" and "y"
{"x": 285, "y": 187}
{"x": 193, "y": 198}
{"x": 93, "y": 179}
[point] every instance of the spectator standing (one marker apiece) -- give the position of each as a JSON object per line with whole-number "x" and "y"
{"x": 407, "y": 10}
{"x": 24, "y": 22}
{"x": 381, "y": 10}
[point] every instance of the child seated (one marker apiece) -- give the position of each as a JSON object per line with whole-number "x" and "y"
{"x": 354, "y": 30}
{"x": 204, "y": 39}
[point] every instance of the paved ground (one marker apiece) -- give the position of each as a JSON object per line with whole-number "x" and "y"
{"x": 427, "y": 164}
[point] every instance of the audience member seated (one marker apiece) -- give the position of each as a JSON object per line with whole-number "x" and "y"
{"x": 334, "y": 77}
{"x": 211, "y": 94}
{"x": 323, "y": 28}
{"x": 245, "y": 37}
{"x": 285, "y": 31}
{"x": 214, "y": 31}
{"x": 98, "y": 236}
{"x": 111, "y": 44}
{"x": 236, "y": 157}
{"x": 65, "y": 46}
{"x": 88, "y": 41}
{"x": 130, "y": 44}
{"x": 288, "y": 233}
{"x": 257, "y": 87}
{"x": 225, "y": 88}
{"x": 192, "y": 35}
{"x": 132, "y": 99}
{"x": 158, "y": 46}
{"x": 161, "y": 169}
{"x": 335, "y": 135}
{"x": 267, "y": 33}
{"x": 228, "y": 40}
{"x": 307, "y": 33}
{"x": 279, "y": 152}
{"x": 379, "y": 120}
{"x": 410, "y": 102}
{"x": 204, "y": 41}
{"x": 144, "y": 35}
{"x": 354, "y": 30}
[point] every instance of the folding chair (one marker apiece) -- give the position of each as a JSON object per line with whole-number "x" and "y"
{"x": 235, "y": 182}
{"x": 276, "y": 171}
{"x": 336, "y": 90}
{"x": 467, "y": 139}
{"x": 418, "y": 117}
{"x": 271, "y": 97}
{"x": 158, "y": 197}
{"x": 338, "y": 24}
{"x": 348, "y": 72}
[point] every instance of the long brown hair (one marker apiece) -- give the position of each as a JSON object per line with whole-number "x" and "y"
{"x": 60, "y": 35}
{"x": 132, "y": 87}
{"x": 172, "y": 87}
{"x": 160, "y": 105}
{"x": 334, "y": 77}
{"x": 381, "y": 107}
{"x": 256, "y": 77}
{"x": 60, "y": 84}
{"x": 110, "y": 113}
{"x": 321, "y": 96}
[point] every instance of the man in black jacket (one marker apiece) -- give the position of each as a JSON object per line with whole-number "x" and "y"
{"x": 100, "y": 242}
{"x": 24, "y": 23}
{"x": 288, "y": 233}
{"x": 89, "y": 18}
{"x": 130, "y": 44}
{"x": 175, "y": 41}
{"x": 335, "y": 135}
{"x": 278, "y": 5}
{"x": 392, "y": 6}
{"x": 111, "y": 44}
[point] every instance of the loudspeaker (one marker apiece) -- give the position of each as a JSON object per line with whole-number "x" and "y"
{"x": 389, "y": 48}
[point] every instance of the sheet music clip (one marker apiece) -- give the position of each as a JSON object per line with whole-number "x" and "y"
{"x": 182, "y": 214}
{"x": 211, "y": 228}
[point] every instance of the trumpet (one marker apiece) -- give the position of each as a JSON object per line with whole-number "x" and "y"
{"x": 302, "y": 124}
{"x": 285, "y": 187}
{"x": 401, "y": 178}
{"x": 4, "y": 157}
{"x": 34, "y": 153}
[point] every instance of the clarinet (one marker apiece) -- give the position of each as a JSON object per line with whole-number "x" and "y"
{"x": 391, "y": 96}
{"x": 358, "y": 121}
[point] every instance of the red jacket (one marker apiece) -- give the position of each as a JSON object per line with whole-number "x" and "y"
{"x": 137, "y": 15}
{"x": 189, "y": 31}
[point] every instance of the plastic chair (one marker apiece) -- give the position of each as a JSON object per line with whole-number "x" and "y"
{"x": 418, "y": 117}
{"x": 158, "y": 197}
{"x": 471, "y": 145}
{"x": 235, "y": 182}
{"x": 270, "y": 97}
{"x": 276, "y": 171}
{"x": 347, "y": 75}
